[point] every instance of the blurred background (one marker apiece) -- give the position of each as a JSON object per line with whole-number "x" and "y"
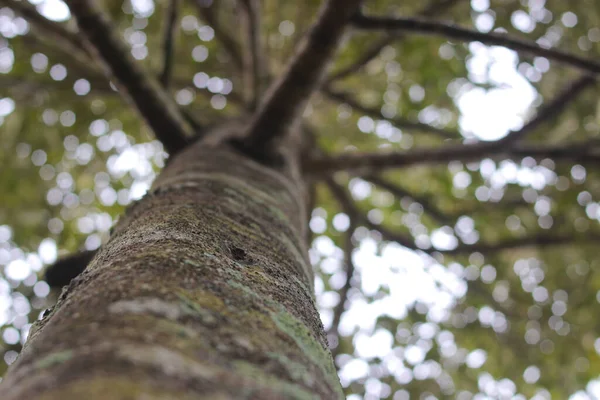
{"x": 513, "y": 318}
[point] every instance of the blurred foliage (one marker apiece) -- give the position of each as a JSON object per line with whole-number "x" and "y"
{"x": 510, "y": 324}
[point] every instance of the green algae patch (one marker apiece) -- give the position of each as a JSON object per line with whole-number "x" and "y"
{"x": 304, "y": 338}
{"x": 284, "y": 389}
{"x": 252, "y": 294}
{"x": 192, "y": 263}
{"x": 319, "y": 356}
{"x": 201, "y": 306}
{"x": 296, "y": 370}
{"x": 54, "y": 358}
{"x": 114, "y": 388}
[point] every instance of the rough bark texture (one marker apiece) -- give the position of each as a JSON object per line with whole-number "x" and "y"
{"x": 204, "y": 291}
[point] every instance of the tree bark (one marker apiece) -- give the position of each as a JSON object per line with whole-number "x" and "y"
{"x": 204, "y": 291}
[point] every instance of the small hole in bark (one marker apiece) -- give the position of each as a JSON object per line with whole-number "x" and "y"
{"x": 238, "y": 254}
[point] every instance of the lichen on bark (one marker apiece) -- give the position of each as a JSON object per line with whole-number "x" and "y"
{"x": 204, "y": 290}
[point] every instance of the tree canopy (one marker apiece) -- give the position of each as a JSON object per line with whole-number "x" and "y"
{"x": 452, "y": 151}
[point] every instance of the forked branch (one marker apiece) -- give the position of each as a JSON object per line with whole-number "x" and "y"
{"x": 370, "y": 162}
{"x": 286, "y": 98}
{"x": 399, "y": 192}
{"x": 141, "y": 88}
{"x": 450, "y": 31}
{"x": 536, "y": 240}
{"x": 552, "y": 109}
{"x": 432, "y": 9}
{"x": 399, "y": 123}
{"x": 360, "y": 218}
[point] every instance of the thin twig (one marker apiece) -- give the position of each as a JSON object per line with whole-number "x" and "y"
{"x": 538, "y": 240}
{"x": 141, "y": 88}
{"x": 442, "y": 217}
{"x": 27, "y": 87}
{"x": 435, "y": 8}
{"x": 286, "y": 98}
{"x": 49, "y": 34}
{"x": 399, "y": 192}
{"x": 552, "y": 109}
{"x": 311, "y": 200}
{"x": 169, "y": 42}
{"x": 349, "y": 206}
{"x": 78, "y": 59}
{"x": 49, "y": 31}
{"x": 478, "y": 287}
{"x": 399, "y": 123}
{"x": 450, "y": 31}
{"x": 58, "y": 32}
{"x": 254, "y": 55}
{"x": 208, "y": 14}
{"x": 349, "y": 267}
{"x": 365, "y": 58}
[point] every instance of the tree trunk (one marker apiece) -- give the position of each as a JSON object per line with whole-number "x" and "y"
{"x": 204, "y": 290}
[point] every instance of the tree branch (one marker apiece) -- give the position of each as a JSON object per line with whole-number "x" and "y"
{"x": 286, "y": 98}
{"x": 349, "y": 206}
{"x": 442, "y": 217}
{"x": 255, "y": 68}
{"x": 339, "y": 308}
{"x": 436, "y": 7}
{"x": 478, "y": 287}
{"x": 552, "y": 109}
{"x": 67, "y": 268}
{"x": 169, "y": 42}
{"x": 368, "y": 56}
{"x": 311, "y": 200}
{"x": 80, "y": 60}
{"x": 142, "y": 89}
{"x": 24, "y": 87}
{"x": 399, "y": 123}
{"x": 77, "y": 57}
{"x": 400, "y": 192}
{"x": 449, "y": 31}
{"x": 540, "y": 240}
{"x": 207, "y": 13}
{"x": 50, "y": 31}
{"x": 49, "y": 35}
{"x": 58, "y": 32}
{"x": 367, "y": 163}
